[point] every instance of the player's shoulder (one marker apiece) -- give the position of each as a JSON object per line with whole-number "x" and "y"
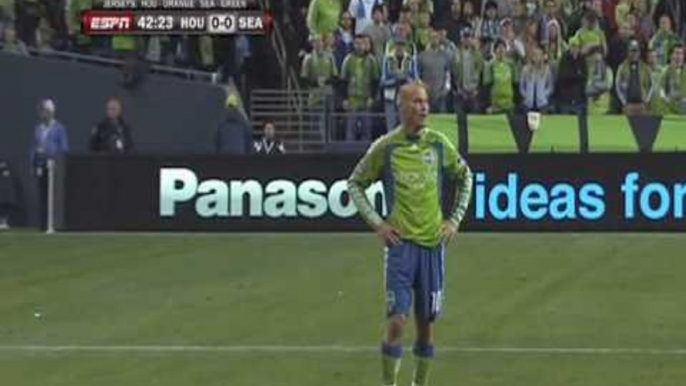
{"x": 435, "y": 136}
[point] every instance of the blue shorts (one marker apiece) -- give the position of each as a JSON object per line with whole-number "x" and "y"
{"x": 415, "y": 271}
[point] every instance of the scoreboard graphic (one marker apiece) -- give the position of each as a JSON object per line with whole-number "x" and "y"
{"x": 176, "y": 17}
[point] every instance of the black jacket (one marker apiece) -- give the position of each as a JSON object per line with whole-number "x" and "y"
{"x": 112, "y": 137}
{"x": 234, "y": 134}
{"x": 571, "y": 81}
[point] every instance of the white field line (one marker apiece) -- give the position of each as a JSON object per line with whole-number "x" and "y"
{"x": 333, "y": 349}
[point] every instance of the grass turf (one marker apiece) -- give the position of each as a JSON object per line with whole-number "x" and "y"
{"x": 520, "y": 290}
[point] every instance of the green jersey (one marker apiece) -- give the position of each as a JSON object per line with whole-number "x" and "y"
{"x": 360, "y": 72}
{"x": 412, "y": 169}
{"x": 500, "y": 77}
{"x": 323, "y": 16}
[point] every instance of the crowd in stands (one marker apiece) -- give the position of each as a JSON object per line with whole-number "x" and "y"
{"x": 495, "y": 56}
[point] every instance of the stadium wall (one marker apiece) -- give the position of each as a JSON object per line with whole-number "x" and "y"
{"x": 535, "y": 192}
{"x": 168, "y": 115}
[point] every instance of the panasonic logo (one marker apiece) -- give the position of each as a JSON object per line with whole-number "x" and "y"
{"x": 281, "y": 198}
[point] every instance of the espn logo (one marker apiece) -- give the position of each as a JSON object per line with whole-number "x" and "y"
{"x": 94, "y": 23}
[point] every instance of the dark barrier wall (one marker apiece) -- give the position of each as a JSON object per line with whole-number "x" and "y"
{"x": 168, "y": 115}
{"x": 308, "y": 193}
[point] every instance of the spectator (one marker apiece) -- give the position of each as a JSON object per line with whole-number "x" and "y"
{"x": 575, "y": 19}
{"x": 519, "y": 18}
{"x": 505, "y": 7}
{"x": 434, "y": 67}
{"x": 469, "y": 17}
{"x": 467, "y": 69}
{"x": 323, "y": 16}
{"x": 555, "y": 47}
{"x": 379, "y": 33}
{"x": 536, "y": 83}
{"x": 12, "y": 43}
{"x": 319, "y": 67}
{"x": 234, "y": 134}
{"x": 664, "y": 40}
{"x": 622, "y": 10}
{"x": 551, "y": 15}
{"x": 362, "y": 11}
{"x": 399, "y": 68}
{"x": 446, "y": 44}
{"x": 452, "y": 22}
{"x": 618, "y": 48}
{"x": 489, "y": 30}
{"x": 590, "y": 36}
{"x": 514, "y": 48}
{"x": 500, "y": 78}
{"x": 532, "y": 10}
{"x": 113, "y": 134}
{"x": 269, "y": 144}
{"x": 344, "y": 37}
{"x": 674, "y": 82}
{"x": 572, "y": 76}
{"x": 423, "y": 32}
{"x": 644, "y": 19}
{"x": 657, "y": 104}
{"x": 599, "y": 84}
{"x": 604, "y": 21}
{"x": 531, "y": 38}
{"x": 403, "y": 32}
{"x": 28, "y": 14}
{"x": 50, "y": 141}
{"x": 633, "y": 82}
{"x": 360, "y": 72}
{"x": 44, "y": 37}
{"x": 422, "y": 5}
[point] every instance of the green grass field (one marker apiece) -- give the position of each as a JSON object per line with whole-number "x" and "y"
{"x": 307, "y": 310}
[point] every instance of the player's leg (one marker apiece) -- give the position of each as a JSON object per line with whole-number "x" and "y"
{"x": 428, "y": 306}
{"x": 399, "y": 273}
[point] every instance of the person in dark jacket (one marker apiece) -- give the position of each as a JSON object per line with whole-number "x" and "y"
{"x": 570, "y": 89}
{"x": 112, "y": 135}
{"x": 234, "y": 134}
{"x": 269, "y": 144}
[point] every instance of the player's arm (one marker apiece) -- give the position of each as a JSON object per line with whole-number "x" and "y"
{"x": 458, "y": 168}
{"x": 367, "y": 171}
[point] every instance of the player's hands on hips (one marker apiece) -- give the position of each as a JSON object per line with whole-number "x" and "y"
{"x": 448, "y": 231}
{"x": 388, "y": 234}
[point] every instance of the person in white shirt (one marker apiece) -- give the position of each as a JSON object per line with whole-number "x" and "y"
{"x": 362, "y": 11}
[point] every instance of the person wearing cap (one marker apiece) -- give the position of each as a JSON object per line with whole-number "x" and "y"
{"x": 633, "y": 82}
{"x": 113, "y": 134}
{"x": 323, "y": 16}
{"x": 572, "y": 75}
{"x": 599, "y": 83}
{"x": 234, "y": 134}
{"x": 468, "y": 65}
{"x": 360, "y": 73}
{"x": 50, "y": 141}
{"x": 674, "y": 82}
{"x": 399, "y": 67}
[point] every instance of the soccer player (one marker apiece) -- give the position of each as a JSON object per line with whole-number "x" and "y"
{"x": 413, "y": 162}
